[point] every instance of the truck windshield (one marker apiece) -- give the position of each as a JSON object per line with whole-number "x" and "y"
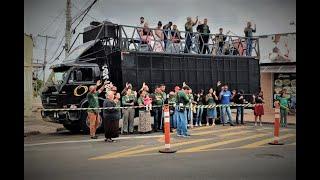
{"x": 57, "y": 77}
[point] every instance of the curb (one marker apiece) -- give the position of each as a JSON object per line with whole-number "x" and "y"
{"x": 31, "y": 133}
{"x": 268, "y": 122}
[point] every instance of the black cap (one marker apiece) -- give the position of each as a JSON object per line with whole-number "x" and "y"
{"x": 141, "y": 17}
{"x": 170, "y": 22}
{"x": 186, "y": 87}
{"x": 159, "y": 23}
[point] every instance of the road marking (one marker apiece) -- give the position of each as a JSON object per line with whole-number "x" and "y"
{"x": 91, "y": 140}
{"x": 124, "y": 154}
{"x": 265, "y": 141}
{"x": 203, "y": 127}
{"x": 215, "y": 131}
{"x": 207, "y": 146}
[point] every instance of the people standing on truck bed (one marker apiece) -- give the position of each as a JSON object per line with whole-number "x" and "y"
{"x": 157, "y": 102}
{"x": 175, "y": 39}
{"x": 128, "y": 100}
{"x": 189, "y": 33}
{"x": 166, "y": 32}
{"x": 211, "y": 99}
{"x": 220, "y": 39}
{"x": 248, "y": 31}
{"x": 158, "y": 34}
{"x": 111, "y": 117}
{"x": 204, "y": 37}
{"x": 146, "y": 36}
{"x": 93, "y": 114}
{"x": 225, "y": 97}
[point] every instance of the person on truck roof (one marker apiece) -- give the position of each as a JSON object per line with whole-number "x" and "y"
{"x": 93, "y": 114}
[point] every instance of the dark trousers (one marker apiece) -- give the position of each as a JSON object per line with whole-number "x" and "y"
{"x": 157, "y": 118}
{"x": 203, "y": 48}
{"x": 188, "y": 44}
{"x": 239, "y": 113}
{"x": 111, "y": 129}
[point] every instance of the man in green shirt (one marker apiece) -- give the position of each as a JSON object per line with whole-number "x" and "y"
{"x": 284, "y": 107}
{"x": 157, "y": 100}
{"x": 182, "y": 100}
{"x": 93, "y": 114}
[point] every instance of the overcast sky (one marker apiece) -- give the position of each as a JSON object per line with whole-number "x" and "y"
{"x": 48, "y": 17}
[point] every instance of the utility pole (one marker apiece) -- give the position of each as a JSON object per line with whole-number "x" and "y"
{"x": 45, "y": 54}
{"x": 68, "y": 28}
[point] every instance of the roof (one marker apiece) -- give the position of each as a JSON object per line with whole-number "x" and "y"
{"x": 78, "y": 51}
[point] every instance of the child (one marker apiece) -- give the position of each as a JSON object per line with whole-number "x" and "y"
{"x": 147, "y": 101}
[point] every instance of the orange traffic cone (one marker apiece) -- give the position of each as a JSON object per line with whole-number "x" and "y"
{"x": 167, "y": 148}
{"x": 276, "y": 124}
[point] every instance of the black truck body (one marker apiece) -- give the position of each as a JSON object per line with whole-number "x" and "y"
{"x": 94, "y": 60}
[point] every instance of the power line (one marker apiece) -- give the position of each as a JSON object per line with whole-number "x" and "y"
{"x": 87, "y": 11}
{"x": 46, "y": 27}
{"x": 81, "y": 12}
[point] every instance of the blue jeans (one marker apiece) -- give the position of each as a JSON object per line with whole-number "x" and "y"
{"x": 199, "y": 115}
{"x": 239, "y": 114}
{"x": 175, "y": 120}
{"x": 227, "y": 110}
{"x": 249, "y": 47}
{"x": 181, "y": 122}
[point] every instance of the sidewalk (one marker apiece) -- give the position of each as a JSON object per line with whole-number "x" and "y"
{"x": 267, "y": 118}
{"x": 35, "y": 124}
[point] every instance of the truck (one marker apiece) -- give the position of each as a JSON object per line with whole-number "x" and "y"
{"x": 105, "y": 55}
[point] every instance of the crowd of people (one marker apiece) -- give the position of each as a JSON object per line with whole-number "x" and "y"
{"x": 181, "y": 112}
{"x": 168, "y": 37}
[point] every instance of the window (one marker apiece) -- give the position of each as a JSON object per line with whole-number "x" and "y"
{"x": 82, "y": 74}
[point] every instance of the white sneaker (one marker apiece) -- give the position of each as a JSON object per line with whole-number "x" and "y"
{"x": 255, "y": 124}
{"x": 200, "y": 124}
{"x": 196, "y": 125}
{"x": 207, "y": 124}
{"x": 179, "y": 135}
{"x": 260, "y": 124}
{"x": 213, "y": 124}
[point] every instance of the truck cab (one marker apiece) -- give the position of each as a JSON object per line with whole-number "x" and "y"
{"x": 67, "y": 87}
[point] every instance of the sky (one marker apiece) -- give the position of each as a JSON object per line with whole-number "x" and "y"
{"x": 47, "y": 17}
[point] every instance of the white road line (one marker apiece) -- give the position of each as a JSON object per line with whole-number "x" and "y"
{"x": 91, "y": 140}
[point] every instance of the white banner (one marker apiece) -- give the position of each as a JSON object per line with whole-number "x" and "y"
{"x": 278, "y": 48}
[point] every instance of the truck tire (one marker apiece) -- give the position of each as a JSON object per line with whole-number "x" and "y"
{"x": 73, "y": 128}
{"x": 84, "y": 124}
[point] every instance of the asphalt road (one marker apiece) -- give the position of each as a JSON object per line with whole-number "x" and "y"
{"x": 210, "y": 153}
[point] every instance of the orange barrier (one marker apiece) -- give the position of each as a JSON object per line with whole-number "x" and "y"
{"x": 276, "y": 124}
{"x": 167, "y": 148}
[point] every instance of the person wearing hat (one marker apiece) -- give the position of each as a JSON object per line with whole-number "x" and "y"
{"x": 181, "y": 101}
{"x": 158, "y": 46}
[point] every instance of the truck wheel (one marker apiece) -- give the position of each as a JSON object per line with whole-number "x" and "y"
{"x": 73, "y": 128}
{"x": 85, "y": 124}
